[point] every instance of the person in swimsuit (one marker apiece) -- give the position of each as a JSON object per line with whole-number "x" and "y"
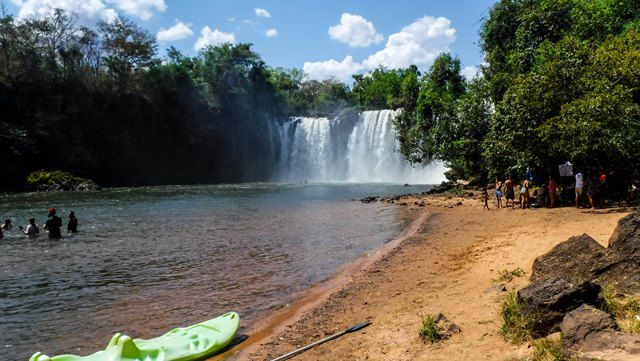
{"x": 510, "y": 193}
{"x": 498, "y": 187}
{"x": 524, "y": 195}
{"x": 7, "y": 226}
{"x": 553, "y": 192}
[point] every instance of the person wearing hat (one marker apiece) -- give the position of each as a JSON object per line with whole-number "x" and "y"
{"x": 53, "y": 225}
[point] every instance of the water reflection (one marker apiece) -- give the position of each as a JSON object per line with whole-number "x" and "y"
{"x": 149, "y": 259}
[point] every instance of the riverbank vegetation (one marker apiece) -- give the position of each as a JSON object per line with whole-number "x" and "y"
{"x": 560, "y": 83}
{"x": 100, "y": 103}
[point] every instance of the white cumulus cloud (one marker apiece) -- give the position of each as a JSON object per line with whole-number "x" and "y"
{"x": 355, "y": 31}
{"x": 262, "y": 13}
{"x": 341, "y": 70}
{"x": 418, "y": 44}
{"x": 213, "y": 37}
{"x": 271, "y": 33}
{"x": 89, "y": 11}
{"x": 141, "y": 8}
{"x": 470, "y": 72}
{"x": 177, "y": 32}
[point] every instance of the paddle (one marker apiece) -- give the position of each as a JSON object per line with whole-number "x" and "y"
{"x": 351, "y": 329}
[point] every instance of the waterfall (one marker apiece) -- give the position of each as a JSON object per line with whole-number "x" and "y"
{"x": 335, "y": 150}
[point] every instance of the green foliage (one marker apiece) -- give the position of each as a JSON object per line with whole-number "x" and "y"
{"x": 507, "y": 276}
{"x": 379, "y": 89}
{"x": 549, "y": 349}
{"x": 517, "y": 320}
{"x": 101, "y": 102}
{"x": 563, "y": 76}
{"x": 625, "y": 309}
{"x": 429, "y": 331}
{"x": 58, "y": 180}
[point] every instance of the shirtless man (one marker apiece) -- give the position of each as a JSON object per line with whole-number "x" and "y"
{"x": 510, "y": 193}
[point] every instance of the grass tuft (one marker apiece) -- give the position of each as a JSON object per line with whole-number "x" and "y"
{"x": 429, "y": 331}
{"x": 517, "y": 320}
{"x": 549, "y": 349}
{"x": 508, "y": 276}
{"x": 625, "y": 309}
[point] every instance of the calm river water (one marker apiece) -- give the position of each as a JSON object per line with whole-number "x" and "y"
{"x": 149, "y": 259}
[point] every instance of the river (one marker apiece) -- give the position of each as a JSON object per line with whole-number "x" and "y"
{"x": 148, "y": 259}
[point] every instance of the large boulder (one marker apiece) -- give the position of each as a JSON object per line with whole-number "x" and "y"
{"x": 608, "y": 345}
{"x": 626, "y": 237}
{"x": 577, "y": 259}
{"x": 551, "y": 299}
{"x": 581, "y": 322}
{"x": 582, "y": 258}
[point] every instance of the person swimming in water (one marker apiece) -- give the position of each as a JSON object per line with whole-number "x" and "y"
{"x": 53, "y": 225}
{"x": 32, "y": 229}
{"x": 72, "y": 226}
{"x": 7, "y": 226}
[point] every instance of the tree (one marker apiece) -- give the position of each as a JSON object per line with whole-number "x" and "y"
{"x": 127, "y": 48}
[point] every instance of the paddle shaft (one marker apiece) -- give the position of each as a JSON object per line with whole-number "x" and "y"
{"x": 310, "y": 346}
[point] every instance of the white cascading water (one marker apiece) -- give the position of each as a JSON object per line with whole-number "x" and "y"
{"x": 313, "y": 149}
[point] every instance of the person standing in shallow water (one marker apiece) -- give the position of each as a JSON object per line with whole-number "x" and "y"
{"x": 53, "y": 225}
{"x": 72, "y": 226}
{"x": 32, "y": 229}
{"x": 7, "y": 226}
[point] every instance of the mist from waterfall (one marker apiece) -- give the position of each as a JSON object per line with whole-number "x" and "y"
{"x": 362, "y": 150}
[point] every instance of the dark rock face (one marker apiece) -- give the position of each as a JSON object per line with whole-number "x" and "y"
{"x": 443, "y": 187}
{"x": 577, "y": 259}
{"x": 626, "y": 237}
{"x": 608, "y": 345}
{"x": 550, "y": 300}
{"x": 581, "y": 322}
{"x": 582, "y": 258}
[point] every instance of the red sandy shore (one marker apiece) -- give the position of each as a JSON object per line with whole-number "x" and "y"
{"x": 446, "y": 262}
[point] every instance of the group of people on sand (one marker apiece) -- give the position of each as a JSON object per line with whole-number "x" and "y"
{"x": 53, "y": 226}
{"x": 546, "y": 195}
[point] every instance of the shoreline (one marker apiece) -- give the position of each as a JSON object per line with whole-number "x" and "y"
{"x": 448, "y": 264}
{"x": 268, "y": 327}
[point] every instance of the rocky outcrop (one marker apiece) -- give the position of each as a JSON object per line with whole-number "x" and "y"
{"x": 577, "y": 259}
{"x": 565, "y": 286}
{"x": 626, "y": 237}
{"x": 582, "y": 258}
{"x": 551, "y": 299}
{"x": 589, "y": 334}
{"x": 582, "y": 322}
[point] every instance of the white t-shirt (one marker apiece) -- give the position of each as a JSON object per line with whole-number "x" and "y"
{"x": 32, "y": 230}
{"x": 579, "y": 180}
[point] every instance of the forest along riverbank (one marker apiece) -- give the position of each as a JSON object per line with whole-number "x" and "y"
{"x": 451, "y": 265}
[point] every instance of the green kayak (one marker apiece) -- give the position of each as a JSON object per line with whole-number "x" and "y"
{"x": 180, "y": 344}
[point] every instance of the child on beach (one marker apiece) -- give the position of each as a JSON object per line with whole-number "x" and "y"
{"x": 485, "y": 197}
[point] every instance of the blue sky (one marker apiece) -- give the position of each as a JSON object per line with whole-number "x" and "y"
{"x": 325, "y": 37}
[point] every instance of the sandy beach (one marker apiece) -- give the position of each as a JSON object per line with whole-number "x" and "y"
{"x": 448, "y": 263}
